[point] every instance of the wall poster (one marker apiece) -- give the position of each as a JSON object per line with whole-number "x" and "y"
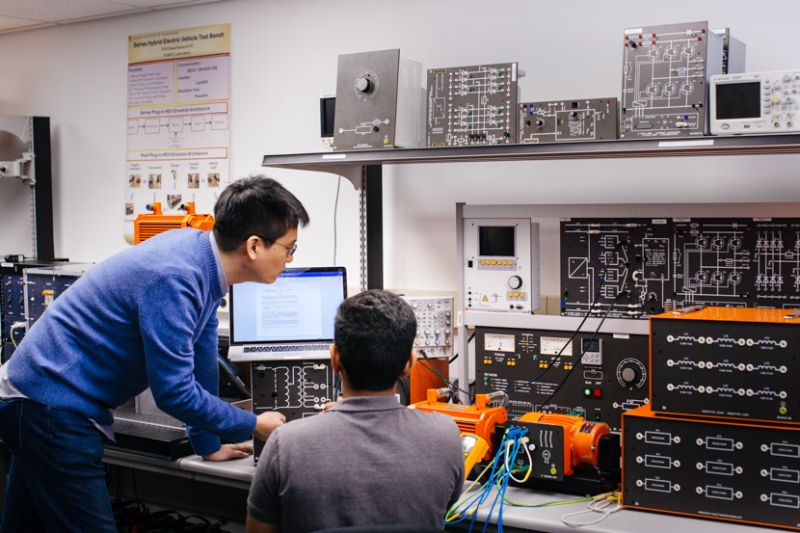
{"x": 178, "y": 119}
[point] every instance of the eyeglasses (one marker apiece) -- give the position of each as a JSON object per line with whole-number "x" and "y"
{"x": 291, "y": 249}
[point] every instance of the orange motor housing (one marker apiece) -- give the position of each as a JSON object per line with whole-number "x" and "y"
{"x": 422, "y": 378}
{"x": 479, "y": 419}
{"x": 148, "y": 225}
{"x": 581, "y": 438}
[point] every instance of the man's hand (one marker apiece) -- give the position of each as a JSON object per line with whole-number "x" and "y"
{"x": 230, "y": 451}
{"x": 257, "y": 526}
{"x": 329, "y": 405}
{"x": 267, "y": 422}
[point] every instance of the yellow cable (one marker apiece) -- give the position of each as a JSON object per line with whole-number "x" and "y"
{"x": 465, "y": 495}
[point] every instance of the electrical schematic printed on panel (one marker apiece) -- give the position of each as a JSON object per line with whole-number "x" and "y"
{"x": 665, "y": 73}
{"x": 501, "y": 265}
{"x": 296, "y": 389}
{"x": 568, "y": 120}
{"x": 472, "y": 105}
{"x": 726, "y": 362}
{"x": 596, "y": 376}
{"x": 616, "y": 268}
{"x": 638, "y": 267}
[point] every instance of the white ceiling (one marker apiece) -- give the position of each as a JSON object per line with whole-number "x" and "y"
{"x": 20, "y": 15}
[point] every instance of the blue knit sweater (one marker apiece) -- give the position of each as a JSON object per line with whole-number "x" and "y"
{"x": 146, "y": 316}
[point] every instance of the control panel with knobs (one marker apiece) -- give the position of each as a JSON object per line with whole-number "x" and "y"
{"x": 597, "y": 376}
{"x": 568, "y": 120}
{"x": 501, "y": 265}
{"x": 434, "y": 324}
{"x": 755, "y": 102}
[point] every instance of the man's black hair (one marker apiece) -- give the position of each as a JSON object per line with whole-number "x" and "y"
{"x": 255, "y": 205}
{"x": 374, "y": 334}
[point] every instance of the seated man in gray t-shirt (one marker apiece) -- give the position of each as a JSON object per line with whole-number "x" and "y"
{"x": 368, "y": 460}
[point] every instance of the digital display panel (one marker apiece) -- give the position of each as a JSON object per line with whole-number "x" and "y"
{"x": 738, "y": 100}
{"x": 496, "y": 241}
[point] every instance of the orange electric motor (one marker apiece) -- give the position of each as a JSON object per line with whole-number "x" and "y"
{"x": 581, "y": 438}
{"x": 479, "y": 418}
{"x": 148, "y": 225}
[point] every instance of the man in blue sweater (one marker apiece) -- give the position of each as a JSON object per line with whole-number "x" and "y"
{"x": 144, "y": 317}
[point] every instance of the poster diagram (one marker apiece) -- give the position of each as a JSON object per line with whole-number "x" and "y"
{"x": 178, "y": 120}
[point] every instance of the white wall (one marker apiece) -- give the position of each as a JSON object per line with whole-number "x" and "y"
{"x": 16, "y": 197}
{"x": 284, "y": 56}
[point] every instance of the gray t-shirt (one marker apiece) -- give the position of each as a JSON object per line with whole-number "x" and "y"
{"x": 367, "y": 461}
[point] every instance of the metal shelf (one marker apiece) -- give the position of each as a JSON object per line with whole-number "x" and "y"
{"x": 364, "y": 167}
{"x": 350, "y": 163}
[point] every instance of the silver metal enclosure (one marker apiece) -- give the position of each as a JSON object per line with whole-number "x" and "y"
{"x": 378, "y": 101}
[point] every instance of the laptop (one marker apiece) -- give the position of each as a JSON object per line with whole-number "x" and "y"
{"x": 290, "y": 319}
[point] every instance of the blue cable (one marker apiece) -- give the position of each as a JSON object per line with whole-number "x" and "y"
{"x": 515, "y": 435}
{"x": 479, "y": 497}
{"x": 487, "y": 489}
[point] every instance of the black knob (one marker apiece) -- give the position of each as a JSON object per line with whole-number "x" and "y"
{"x": 629, "y": 375}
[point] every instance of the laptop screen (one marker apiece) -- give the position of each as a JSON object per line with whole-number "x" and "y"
{"x": 299, "y": 307}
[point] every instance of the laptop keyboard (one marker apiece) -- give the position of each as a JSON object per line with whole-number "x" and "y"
{"x": 284, "y": 348}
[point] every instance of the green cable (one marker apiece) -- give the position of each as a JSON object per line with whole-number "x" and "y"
{"x": 547, "y": 504}
{"x": 467, "y": 494}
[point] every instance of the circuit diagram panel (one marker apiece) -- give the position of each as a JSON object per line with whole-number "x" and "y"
{"x": 745, "y": 368}
{"x": 472, "y": 105}
{"x": 617, "y": 268}
{"x": 664, "y": 81}
{"x": 295, "y": 388}
{"x": 713, "y": 262}
{"x": 637, "y": 267}
{"x": 568, "y": 120}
